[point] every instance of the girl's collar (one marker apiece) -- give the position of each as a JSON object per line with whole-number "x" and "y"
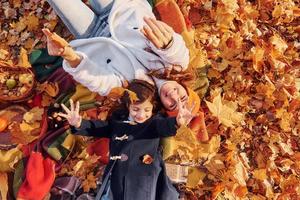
{"x": 130, "y": 121}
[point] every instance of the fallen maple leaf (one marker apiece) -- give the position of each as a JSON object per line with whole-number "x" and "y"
{"x": 226, "y": 114}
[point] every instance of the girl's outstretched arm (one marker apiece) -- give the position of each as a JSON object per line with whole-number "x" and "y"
{"x": 95, "y": 128}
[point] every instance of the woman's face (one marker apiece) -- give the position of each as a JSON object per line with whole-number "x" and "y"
{"x": 170, "y": 93}
{"x": 140, "y": 112}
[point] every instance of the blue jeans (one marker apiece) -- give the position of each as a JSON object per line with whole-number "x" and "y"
{"x": 82, "y": 21}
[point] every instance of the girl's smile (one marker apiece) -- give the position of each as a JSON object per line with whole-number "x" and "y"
{"x": 140, "y": 112}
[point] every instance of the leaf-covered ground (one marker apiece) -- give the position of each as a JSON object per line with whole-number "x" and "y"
{"x": 252, "y": 106}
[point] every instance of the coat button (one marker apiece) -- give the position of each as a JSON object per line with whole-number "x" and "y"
{"x": 147, "y": 159}
{"x": 108, "y": 61}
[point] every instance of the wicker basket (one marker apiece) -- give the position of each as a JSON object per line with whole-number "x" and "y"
{"x": 16, "y": 83}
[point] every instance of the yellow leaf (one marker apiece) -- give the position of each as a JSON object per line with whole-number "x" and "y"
{"x": 35, "y": 114}
{"x": 3, "y": 185}
{"x": 23, "y": 59}
{"x": 3, "y": 54}
{"x": 279, "y": 44}
{"x": 227, "y": 115}
{"x": 18, "y": 26}
{"x": 195, "y": 177}
{"x": 32, "y": 22}
{"x": 29, "y": 43}
{"x": 29, "y": 127}
{"x": 258, "y": 58}
{"x": 9, "y": 158}
{"x": 260, "y": 174}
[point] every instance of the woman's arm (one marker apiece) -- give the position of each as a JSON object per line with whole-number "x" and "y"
{"x": 96, "y": 128}
{"x": 57, "y": 46}
{"x": 96, "y": 78}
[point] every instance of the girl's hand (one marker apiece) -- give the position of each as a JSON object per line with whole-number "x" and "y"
{"x": 72, "y": 115}
{"x": 158, "y": 32}
{"x": 184, "y": 115}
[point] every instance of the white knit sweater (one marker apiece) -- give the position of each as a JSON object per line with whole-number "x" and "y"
{"x": 107, "y": 62}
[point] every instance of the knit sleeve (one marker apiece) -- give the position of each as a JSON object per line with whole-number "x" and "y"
{"x": 94, "y": 128}
{"x": 165, "y": 127}
{"x": 96, "y": 78}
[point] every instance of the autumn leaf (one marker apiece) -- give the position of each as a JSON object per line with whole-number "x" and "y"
{"x": 195, "y": 177}
{"x": 260, "y": 174}
{"x": 279, "y": 44}
{"x": 23, "y": 59}
{"x": 3, "y": 54}
{"x": 33, "y": 115}
{"x": 50, "y": 88}
{"x": 31, "y": 21}
{"x": 9, "y": 158}
{"x": 241, "y": 191}
{"x": 89, "y": 182}
{"x": 116, "y": 93}
{"x": 20, "y": 137}
{"x": 226, "y": 114}
{"x": 3, "y": 185}
{"x": 258, "y": 58}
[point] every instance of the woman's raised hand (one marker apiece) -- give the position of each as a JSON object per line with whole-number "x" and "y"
{"x": 184, "y": 115}
{"x": 158, "y": 32}
{"x": 55, "y": 44}
{"x": 72, "y": 115}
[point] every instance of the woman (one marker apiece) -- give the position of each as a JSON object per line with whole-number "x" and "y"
{"x": 157, "y": 47}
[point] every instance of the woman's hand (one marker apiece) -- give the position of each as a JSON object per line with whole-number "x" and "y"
{"x": 57, "y": 46}
{"x": 72, "y": 115}
{"x": 184, "y": 115}
{"x": 158, "y": 32}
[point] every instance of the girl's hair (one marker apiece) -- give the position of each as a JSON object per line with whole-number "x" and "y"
{"x": 143, "y": 90}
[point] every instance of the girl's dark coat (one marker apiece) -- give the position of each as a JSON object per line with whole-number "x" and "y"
{"x": 132, "y": 179}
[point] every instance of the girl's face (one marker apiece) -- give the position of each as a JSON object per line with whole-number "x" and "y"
{"x": 140, "y": 112}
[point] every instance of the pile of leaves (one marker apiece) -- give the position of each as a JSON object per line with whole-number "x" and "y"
{"x": 253, "y": 102}
{"x": 20, "y": 27}
{"x": 252, "y": 107}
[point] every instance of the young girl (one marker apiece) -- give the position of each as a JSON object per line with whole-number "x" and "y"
{"x": 136, "y": 169}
